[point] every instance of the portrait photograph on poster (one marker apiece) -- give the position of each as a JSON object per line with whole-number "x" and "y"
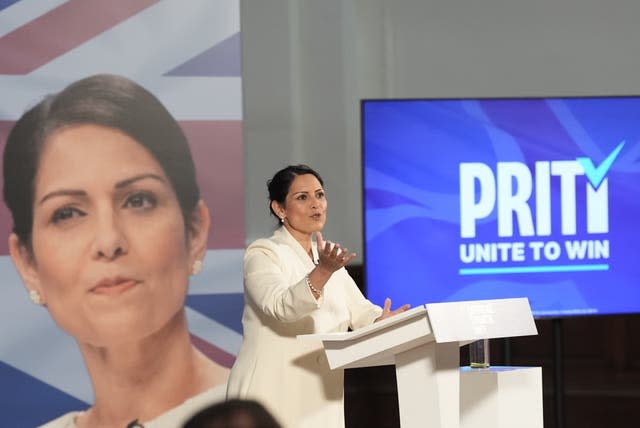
{"x": 111, "y": 133}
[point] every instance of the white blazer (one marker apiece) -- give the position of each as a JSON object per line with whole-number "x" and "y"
{"x": 291, "y": 377}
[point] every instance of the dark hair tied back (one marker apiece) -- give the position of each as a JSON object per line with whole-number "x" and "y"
{"x": 280, "y": 184}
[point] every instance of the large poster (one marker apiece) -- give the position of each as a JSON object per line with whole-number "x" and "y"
{"x": 500, "y": 198}
{"x": 188, "y": 55}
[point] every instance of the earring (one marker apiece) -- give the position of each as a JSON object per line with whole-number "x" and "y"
{"x": 196, "y": 268}
{"x": 35, "y": 297}
{"x": 281, "y": 219}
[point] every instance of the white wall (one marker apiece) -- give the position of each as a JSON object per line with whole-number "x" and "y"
{"x": 307, "y": 63}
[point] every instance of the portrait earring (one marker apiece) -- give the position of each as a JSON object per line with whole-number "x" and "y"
{"x": 35, "y": 297}
{"x": 196, "y": 268}
{"x": 282, "y": 220}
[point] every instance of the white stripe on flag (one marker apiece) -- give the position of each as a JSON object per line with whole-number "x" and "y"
{"x": 23, "y": 12}
{"x": 151, "y": 42}
{"x": 214, "y": 332}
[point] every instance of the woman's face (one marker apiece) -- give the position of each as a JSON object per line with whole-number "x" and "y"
{"x": 305, "y": 207}
{"x": 111, "y": 256}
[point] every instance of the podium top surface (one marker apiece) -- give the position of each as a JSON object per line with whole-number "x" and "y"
{"x": 455, "y": 321}
{"x": 380, "y": 325}
{"x": 481, "y": 319}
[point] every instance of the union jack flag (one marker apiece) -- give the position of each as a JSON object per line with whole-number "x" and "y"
{"x": 187, "y": 54}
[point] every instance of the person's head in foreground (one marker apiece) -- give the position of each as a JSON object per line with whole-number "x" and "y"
{"x": 233, "y": 414}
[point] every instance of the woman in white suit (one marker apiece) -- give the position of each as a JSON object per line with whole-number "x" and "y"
{"x": 296, "y": 286}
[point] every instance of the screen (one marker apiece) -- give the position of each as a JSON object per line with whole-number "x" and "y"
{"x": 468, "y": 199}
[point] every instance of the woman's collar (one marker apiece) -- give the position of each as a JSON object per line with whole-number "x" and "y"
{"x": 283, "y": 233}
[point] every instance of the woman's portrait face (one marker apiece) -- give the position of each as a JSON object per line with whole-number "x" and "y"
{"x": 111, "y": 255}
{"x": 305, "y": 206}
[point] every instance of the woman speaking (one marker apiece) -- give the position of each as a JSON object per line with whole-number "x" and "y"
{"x": 296, "y": 286}
{"x": 108, "y": 227}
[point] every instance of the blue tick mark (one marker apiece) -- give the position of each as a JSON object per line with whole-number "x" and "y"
{"x": 596, "y": 175}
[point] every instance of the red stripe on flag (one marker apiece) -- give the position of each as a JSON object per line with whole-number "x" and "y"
{"x": 213, "y": 352}
{"x": 62, "y": 29}
{"x": 219, "y": 157}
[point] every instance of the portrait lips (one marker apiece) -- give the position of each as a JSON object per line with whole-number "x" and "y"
{"x": 114, "y": 286}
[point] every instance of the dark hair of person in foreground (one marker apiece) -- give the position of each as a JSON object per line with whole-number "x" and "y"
{"x": 233, "y": 414}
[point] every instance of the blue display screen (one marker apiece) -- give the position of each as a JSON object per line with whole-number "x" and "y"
{"x": 469, "y": 199}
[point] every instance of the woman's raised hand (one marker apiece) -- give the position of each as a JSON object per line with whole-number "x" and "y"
{"x": 387, "y": 312}
{"x": 331, "y": 256}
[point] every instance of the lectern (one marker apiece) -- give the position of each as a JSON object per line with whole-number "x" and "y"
{"x": 423, "y": 343}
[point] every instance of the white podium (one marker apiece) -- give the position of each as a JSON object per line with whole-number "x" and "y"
{"x": 423, "y": 343}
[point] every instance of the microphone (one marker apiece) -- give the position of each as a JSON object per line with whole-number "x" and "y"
{"x": 135, "y": 424}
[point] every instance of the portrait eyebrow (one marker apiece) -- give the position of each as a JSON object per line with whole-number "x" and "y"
{"x": 319, "y": 189}
{"x": 129, "y": 181}
{"x": 119, "y": 185}
{"x": 62, "y": 192}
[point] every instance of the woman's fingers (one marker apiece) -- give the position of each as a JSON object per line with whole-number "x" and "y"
{"x": 401, "y": 309}
{"x": 332, "y": 255}
{"x": 319, "y": 241}
{"x": 387, "y": 312}
{"x": 335, "y": 250}
{"x": 342, "y": 255}
{"x": 387, "y": 306}
{"x": 348, "y": 258}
